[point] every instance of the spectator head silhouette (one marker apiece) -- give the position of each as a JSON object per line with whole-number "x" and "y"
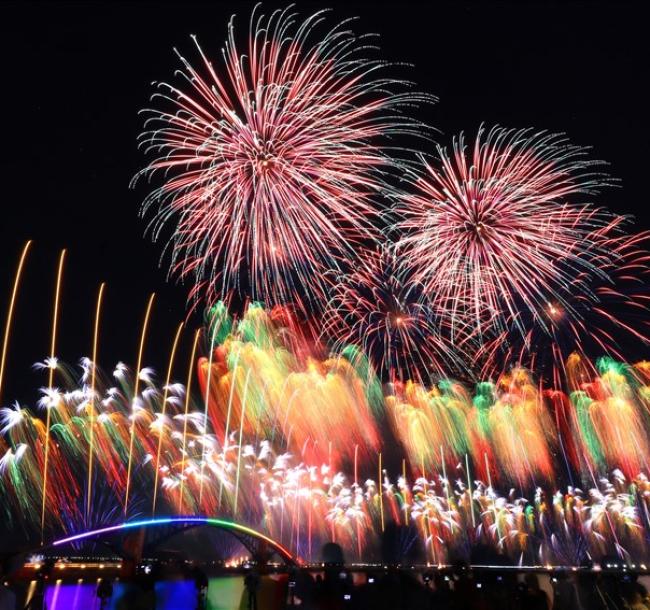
{"x": 332, "y": 554}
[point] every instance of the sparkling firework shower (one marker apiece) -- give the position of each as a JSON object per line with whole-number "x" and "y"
{"x": 272, "y": 162}
{"x": 290, "y": 447}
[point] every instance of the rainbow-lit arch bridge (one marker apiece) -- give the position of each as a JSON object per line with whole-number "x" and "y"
{"x": 259, "y": 545}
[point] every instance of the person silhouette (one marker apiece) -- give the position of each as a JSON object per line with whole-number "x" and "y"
{"x": 252, "y": 584}
{"x": 104, "y": 592}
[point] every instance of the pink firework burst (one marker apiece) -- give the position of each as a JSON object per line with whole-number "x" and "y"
{"x": 493, "y": 231}
{"x": 272, "y": 164}
{"x": 377, "y": 309}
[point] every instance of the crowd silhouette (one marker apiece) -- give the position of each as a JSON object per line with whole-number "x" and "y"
{"x": 463, "y": 589}
{"x": 393, "y": 586}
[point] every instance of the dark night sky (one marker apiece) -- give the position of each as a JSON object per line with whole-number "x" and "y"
{"x": 75, "y": 74}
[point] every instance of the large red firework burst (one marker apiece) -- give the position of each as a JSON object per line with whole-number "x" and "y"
{"x": 494, "y": 231}
{"x": 378, "y": 309}
{"x": 271, "y": 165}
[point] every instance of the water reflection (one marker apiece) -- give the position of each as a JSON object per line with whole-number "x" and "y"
{"x": 224, "y": 593}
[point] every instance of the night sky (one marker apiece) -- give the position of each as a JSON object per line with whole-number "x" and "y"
{"x": 74, "y": 76}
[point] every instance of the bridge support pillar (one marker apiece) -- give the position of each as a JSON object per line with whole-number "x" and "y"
{"x": 132, "y": 546}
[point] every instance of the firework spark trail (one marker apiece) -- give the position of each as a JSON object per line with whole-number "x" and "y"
{"x": 10, "y": 312}
{"x": 287, "y": 395}
{"x": 272, "y": 165}
{"x": 161, "y": 431}
{"x": 91, "y": 402}
{"x": 136, "y": 397}
{"x": 190, "y": 372}
{"x": 612, "y": 410}
{"x": 490, "y": 233}
{"x": 50, "y": 385}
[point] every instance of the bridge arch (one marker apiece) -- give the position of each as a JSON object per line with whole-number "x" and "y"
{"x": 172, "y": 525}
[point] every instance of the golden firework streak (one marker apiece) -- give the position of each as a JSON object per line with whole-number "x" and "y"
{"x": 10, "y": 313}
{"x": 91, "y": 406}
{"x": 136, "y": 388}
{"x": 50, "y": 383}
{"x": 188, "y": 388}
{"x": 164, "y": 405}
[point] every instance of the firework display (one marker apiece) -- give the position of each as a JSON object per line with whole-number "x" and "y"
{"x": 490, "y": 232}
{"x": 613, "y": 315}
{"x": 291, "y": 444}
{"x": 272, "y": 165}
{"x": 375, "y": 308}
{"x": 440, "y": 349}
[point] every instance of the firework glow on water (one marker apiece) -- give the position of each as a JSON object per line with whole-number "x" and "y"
{"x": 434, "y": 347}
